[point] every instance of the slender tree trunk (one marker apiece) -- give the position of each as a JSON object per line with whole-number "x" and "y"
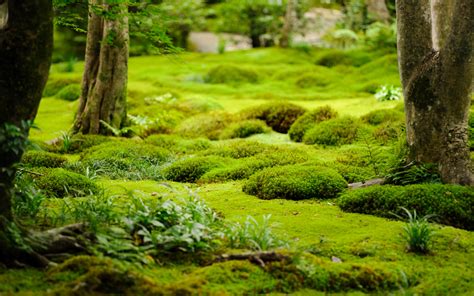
{"x": 104, "y": 93}
{"x": 26, "y": 44}
{"x": 378, "y": 10}
{"x": 435, "y": 58}
{"x": 289, "y": 24}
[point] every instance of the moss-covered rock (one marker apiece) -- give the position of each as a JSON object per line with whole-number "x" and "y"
{"x": 451, "y": 204}
{"x": 279, "y": 115}
{"x": 191, "y": 169}
{"x": 295, "y": 182}
{"x": 309, "y": 120}
{"x": 333, "y": 132}
{"x": 231, "y": 74}
{"x": 244, "y": 129}
{"x": 35, "y": 158}
{"x": 60, "y": 183}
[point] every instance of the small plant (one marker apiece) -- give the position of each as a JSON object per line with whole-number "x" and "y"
{"x": 118, "y": 132}
{"x": 253, "y": 235}
{"x": 67, "y": 141}
{"x": 221, "y": 46}
{"x": 389, "y": 93}
{"x": 418, "y": 232}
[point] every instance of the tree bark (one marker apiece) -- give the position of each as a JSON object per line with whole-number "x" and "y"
{"x": 289, "y": 24}
{"x": 378, "y": 10}
{"x": 104, "y": 83}
{"x": 436, "y": 71}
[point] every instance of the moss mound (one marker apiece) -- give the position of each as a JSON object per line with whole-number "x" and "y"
{"x": 70, "y": 93}
{"x": 309, "y": 120}
{"x": 312, "y": 80}
{"x": 189, "y": 170}
{"x": 244, "y": 129}
{"x": 334, "y": 132}
{"x": 83, "y": 142}
{"x": 60, "y": 183}
{"x": 231, "y": 75}
{"x": 279, "y": 116}
{"x": 56, "y": 84}
{"x": 346, "y": 58}
{"x": 133, "y": 160}
{"x": 209, "y": 125}
{"x": 43, "y": 159}
{"x": 452, "y": 205}
{"x": 177, "y": 144}
{"x": 378, "y": 117}
{"x": 295, "y": 182}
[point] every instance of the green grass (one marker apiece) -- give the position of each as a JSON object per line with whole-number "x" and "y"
{"x": 319, "y": 227}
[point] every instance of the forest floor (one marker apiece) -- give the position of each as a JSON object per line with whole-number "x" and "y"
{"x": 193, "y": 99}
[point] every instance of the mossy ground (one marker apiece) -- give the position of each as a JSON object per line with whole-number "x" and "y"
{"x": 315, "y": 226}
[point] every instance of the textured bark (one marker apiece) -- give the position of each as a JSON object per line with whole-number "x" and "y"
{"x": 378, "y": 10}
{"x": 103, "y": 96}
{"x": 437, "y": 74}
{"x": 289, "y": 24}
{"x": 26, "y": 44}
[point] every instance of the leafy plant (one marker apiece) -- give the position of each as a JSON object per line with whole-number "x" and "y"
{"x": 253, "y": 235}
{"x": 418, "y": 232}
{"x": 27, "y": 199}
{"x": 66, "y": 141}
{"x": 413, "y": 173}
{"x": 389, "y": 93}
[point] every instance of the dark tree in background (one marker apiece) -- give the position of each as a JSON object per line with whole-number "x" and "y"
{"x": 435, "y": 45}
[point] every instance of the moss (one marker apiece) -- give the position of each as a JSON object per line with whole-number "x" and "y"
{"x": 70, "y": 93}
{"x": 231, "y": 74}
{"x": 237, "y": 149}
{"x": 451, "y": 204}
{"x": 333, "y": 132}
{"x": 83, "y": 142}
{"x": 295, "y": 182}
{"x": 56, "y": 84}
{"x": 389, "y": 132}
{"x": 353, "y": 174}
{"x": 312, "y": 80}
{"x": 279, "y": 115}
{"x": 309, "y": 120}
{"x": 244, "y": 129}
{"x": 42, "y": 159}
{"x": 378, "y": 117}
{"x": 209, "y": 125}
{"x": 60, "y": 183}
{"x": 177, "y": 144}
{"x": 189, "y": 170}
{"x": 338, "y": 57}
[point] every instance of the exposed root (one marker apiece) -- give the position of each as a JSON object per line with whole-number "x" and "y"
{"x": 259, "y": 258}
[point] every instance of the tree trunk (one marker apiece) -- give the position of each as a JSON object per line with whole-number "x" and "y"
{"x": 289, "y": 24}
{"x": 104, "y": 83}
{"x": 26, "y": 44}
{"x": 436, "y": 69}
{"x": 378, "y": 10}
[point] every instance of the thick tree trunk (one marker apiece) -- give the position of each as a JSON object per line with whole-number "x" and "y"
{"x": 289, "y": 24}
{"x": 437, "y": 73}
{"x": 26, "y": 44}
{"x": 104, "y": 84}
{"x": 378, "y": 10}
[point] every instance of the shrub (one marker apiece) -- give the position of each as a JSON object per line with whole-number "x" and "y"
{"x": 209, "y": 125}
{"x": 54, "y": 85}
{"x": 177, "y": 144}
{"x": 70, "y": 93}
{"x": 191, "y": 169}
{"x": 131, "y": 160}
{"x": 244, "y": 129}
{"x": 333, "y": 132}
{"x": 61, "y": 183}
{"x": 378, "y": 117}
{"x": 42, "y": 159}
{"x": 231, "y": 74}
{"x": 309, "y": 120}
{"x": 295, "y": 182}
{"x": 312, "y": 80}
{"x": 279, "y": 116}
{"x": 450, "y": 204}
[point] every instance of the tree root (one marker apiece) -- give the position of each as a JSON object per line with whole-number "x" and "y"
{"x": 259, "y": 258}
{"x": 21, "y": 248}
{"x": 367, "y": 183}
